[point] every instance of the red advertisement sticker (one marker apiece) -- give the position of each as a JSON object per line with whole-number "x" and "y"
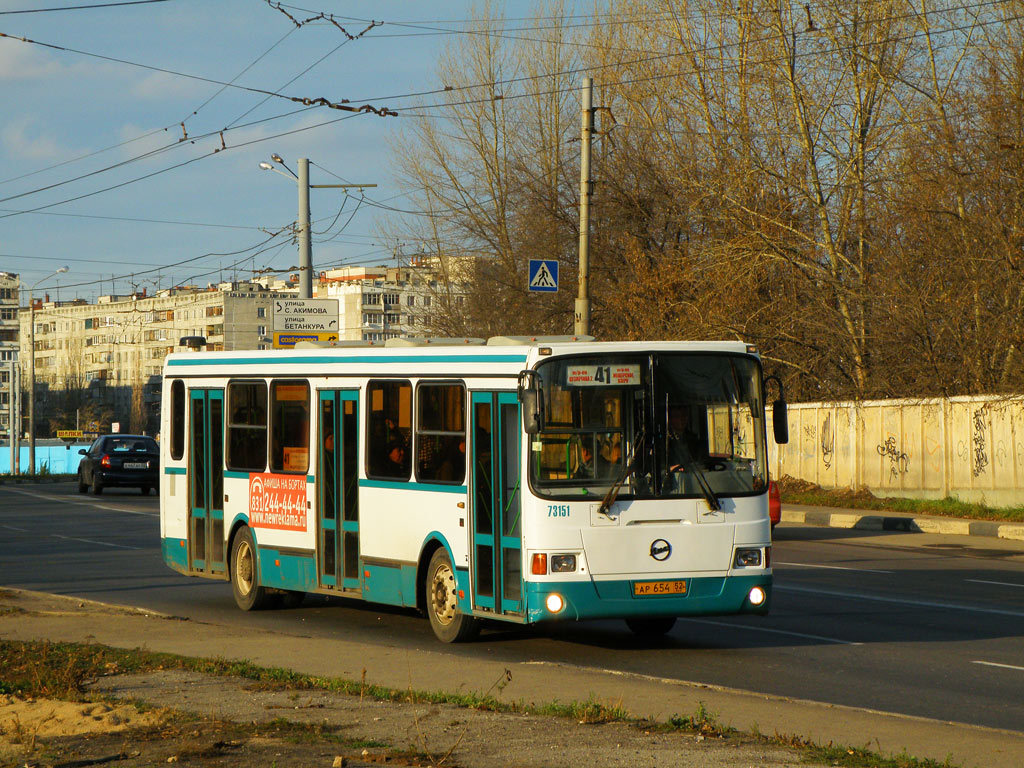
{"x": 277, "y": 501}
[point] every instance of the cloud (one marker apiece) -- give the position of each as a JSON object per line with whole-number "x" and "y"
{"x": 25, "y": 138}
{"x": 22, "y": 61}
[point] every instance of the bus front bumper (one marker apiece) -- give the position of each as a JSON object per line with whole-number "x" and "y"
{"x": 705, "y": 596}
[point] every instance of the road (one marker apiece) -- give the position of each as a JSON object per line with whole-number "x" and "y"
{"x": 916, "y": 624}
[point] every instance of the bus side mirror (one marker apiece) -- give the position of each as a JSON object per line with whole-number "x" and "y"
{"x": 780, "y": 414}
{"x": 531, "y": 401}
{"x": 780, "y": 421}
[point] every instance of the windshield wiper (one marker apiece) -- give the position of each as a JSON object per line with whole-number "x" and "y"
{"x": 692, "y": 466}
{"x": 613, "y": 492}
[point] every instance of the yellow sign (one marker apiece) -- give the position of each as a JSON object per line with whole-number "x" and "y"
{"x": 288, "y": 340}
{"x": 69, "y": 434}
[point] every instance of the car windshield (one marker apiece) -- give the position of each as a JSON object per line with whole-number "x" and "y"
{"x": 130, "y": 445}
{"x": 665, "y": 425}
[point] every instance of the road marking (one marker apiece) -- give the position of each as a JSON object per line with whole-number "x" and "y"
{"x": 997, "y": 583}
{"x": 91, "y": 541}
{"x": 771, "y": 631}
{"x": 898, "y": 601}
{"x": 79, "y": 502}
{"x": 1003, "y": 666}
{"x": 14, "y": 528}
{"x": 831, "y": 567}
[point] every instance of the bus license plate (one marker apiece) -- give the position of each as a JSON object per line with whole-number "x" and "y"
{"x": 644, "y": 588}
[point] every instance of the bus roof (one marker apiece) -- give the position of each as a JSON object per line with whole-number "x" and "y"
{"x": 500, "y": 356}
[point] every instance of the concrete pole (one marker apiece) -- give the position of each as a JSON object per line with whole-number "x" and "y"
{"x": 581, "y": 325}
{"x": 31, "y": 384}
{"x": 11, "y": 422}
{"x": 16, "y": 423}
{"x": 305, "y": 233}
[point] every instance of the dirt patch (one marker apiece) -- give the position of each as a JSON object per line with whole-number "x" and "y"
{"x": 208, "y": 721}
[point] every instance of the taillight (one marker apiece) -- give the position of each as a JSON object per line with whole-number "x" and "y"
{"x": 774, "y": 502}
{"x": 105, "y": 461}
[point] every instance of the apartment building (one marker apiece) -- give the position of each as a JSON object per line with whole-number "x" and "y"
{"x": 376, "y": 304}
{"x": 111, "y": 353}
{"x": 10, "y": 284}
{"x": 105, "y": 359}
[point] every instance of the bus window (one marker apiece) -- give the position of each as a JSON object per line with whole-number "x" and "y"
{"x": 247, "y": 426}
{"x": 441, "y": 433}
{"x": 390, "y": 424}
{"x": 289, "y": 425}
{"x": 177, "y": 419}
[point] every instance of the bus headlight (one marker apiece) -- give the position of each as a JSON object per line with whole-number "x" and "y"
{"x": 756, "y": 596}
{"x": 563, "y": 563}
{"x": 554, "y": 603}
{"x": 747, "y": 558}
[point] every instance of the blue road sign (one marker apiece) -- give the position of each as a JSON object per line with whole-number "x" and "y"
{"x": 544, "y": 275}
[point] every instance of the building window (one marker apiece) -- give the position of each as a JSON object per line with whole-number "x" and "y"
{"x": 390, "y": 298}
{"x": 261, "y": 311}
{"x": 410, "y": 301}
{"x": 261, "y": 330}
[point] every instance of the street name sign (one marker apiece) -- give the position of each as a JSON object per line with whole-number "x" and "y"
{"x": 306, "y": 315}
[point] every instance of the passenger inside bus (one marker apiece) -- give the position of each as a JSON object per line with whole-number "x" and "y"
{"x": 684, "y": 444}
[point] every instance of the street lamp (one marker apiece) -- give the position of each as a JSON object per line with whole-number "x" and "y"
{"x": 32, "y": 371}
{"x": 303, "y": 226}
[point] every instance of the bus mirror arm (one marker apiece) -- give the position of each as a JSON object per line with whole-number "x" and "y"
{"x": 780, "y": 414}
{"x": 531, "y": 401}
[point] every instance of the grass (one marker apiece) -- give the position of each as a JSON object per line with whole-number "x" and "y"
{"x": 65, "y": 670}
{"x": 795, "y": 491}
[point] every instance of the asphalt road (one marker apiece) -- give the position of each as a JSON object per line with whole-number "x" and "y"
{"x": 917, "y": 624}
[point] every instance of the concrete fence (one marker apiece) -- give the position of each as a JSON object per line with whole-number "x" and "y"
{"x": 52, "y": 459}
{"x": 969, "y": 448}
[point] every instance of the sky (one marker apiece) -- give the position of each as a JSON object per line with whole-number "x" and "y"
{"x": 131, "y": 134}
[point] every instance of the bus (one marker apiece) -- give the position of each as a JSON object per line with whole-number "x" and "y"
{"x": 514, "y": 479}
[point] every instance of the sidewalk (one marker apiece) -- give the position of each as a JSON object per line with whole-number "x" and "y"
{"x": 904, "y": 522}
{"x": 49, "y": 617}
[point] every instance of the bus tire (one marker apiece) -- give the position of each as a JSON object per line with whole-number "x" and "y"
{"x": 653, "y": 627}
{"x": 450, "y": 625}
{"x": 245, "y": 580}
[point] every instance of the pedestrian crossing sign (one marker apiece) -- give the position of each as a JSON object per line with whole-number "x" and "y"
{"x": 544, "y": 275}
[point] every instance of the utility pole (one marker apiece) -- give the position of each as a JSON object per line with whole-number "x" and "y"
{"x": 12, "y": 419}
{"x": 305, "y": 233}
{"x": 581, "y": 326}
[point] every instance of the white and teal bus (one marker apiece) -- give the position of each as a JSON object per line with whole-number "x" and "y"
{"x": 517, "y": 479}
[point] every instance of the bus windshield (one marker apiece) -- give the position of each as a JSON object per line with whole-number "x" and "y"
{"x": 665, "y": 425}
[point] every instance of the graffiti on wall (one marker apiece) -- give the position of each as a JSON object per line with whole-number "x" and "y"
{"x": 899, "y": 462}
{"x": 980, "y": 454}
{"x": 828, "y": 442}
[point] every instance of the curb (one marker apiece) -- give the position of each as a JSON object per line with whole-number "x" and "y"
{"x": 874, "y": 521}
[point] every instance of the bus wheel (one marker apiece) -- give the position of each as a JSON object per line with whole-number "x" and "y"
{"x": 655, "y": 627}
{"x": 442, "y": 600}
{"x": 245, "y": 582}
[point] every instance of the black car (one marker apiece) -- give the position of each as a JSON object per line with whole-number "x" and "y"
{"x": 131, "y": 461}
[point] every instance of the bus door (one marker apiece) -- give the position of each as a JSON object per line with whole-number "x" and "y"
{"x": 496, "y": 546}
{"x": 206, "y": 481}
{"x": 337, "y": 485}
